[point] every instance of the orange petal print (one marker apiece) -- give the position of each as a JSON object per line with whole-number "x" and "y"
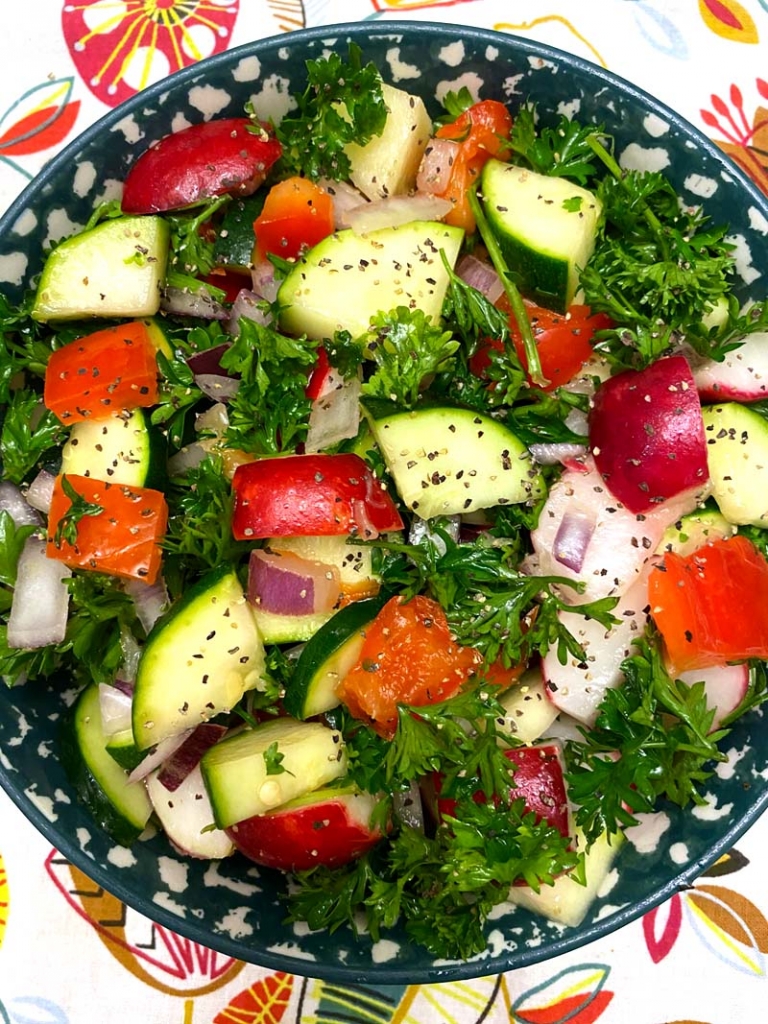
{"x": 4, "y": 899}
{"x": 728, "y": 19}
{"x": 42, "y": 117}
{"x": 576, "y": 995}
{"x": 731, "y": 926}
{"x": 264, "y": 1002}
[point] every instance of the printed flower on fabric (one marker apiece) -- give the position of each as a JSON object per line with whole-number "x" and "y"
{"x": 121, "y": 46}
{"x": 740, "y": 132}
{"x": 39, "y": 119}
{"x": 728, "y": 924}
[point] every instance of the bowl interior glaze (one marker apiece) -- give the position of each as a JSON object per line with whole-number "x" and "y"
{"x": 234, "y": 907}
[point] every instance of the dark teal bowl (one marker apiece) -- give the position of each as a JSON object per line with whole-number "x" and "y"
{"x": 427, "y": 58}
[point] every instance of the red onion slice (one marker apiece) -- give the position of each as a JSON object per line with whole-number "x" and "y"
{"x": 334, "y": 416}
{"x": 394, "y": 211}
{"x": 184, "y": 302}
{"x": 187, "y": 757}
{"x": 265, "y": 285}
{"x": 209, "y": 360}
{"x": 15, "y": 504}
{"x": 115, "y": 709}
{"x": 572, "y": 539}
{"x": 158, "y": 755}
{"x": 247, "y": 305}
{"x": 552, "y": 454}
{"x": 285, "y": 584}
{"x": 345, "y": 197}
{"x": 40, "y": 603}
{"x": 216, "y": 386}
{"x": 481, "y": 275}
{"x": 436, "y": 166}
{"x": 40, "y": 491}
{"x": 150, "y": 601}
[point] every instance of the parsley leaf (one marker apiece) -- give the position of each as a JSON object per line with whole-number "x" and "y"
{"x": 80, "y": 507}
{"x": 559, "y": 151}
{"x": 269, "y": 413}
{"x": 29, "y": 431}
{"x": 660, "y": 728}
{"x": 273, "y": 760}
{"x": 342, "y": 103}
{"x": 192, "y": 247}
{"x": 407, "y": 348}
{"x": 12, "y": 539}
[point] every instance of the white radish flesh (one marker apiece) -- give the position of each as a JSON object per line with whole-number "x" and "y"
{"x": 725, "y": 686}
{"x": 186, "y": 816}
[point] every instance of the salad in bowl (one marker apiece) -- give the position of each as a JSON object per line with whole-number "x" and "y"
{"x": 383, "y": 477}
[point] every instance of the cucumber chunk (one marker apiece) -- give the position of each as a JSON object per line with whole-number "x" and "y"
{"x": 198, "y": 661}
{"x": 120, "y": 449}
{"x": 345, "y": 280}
{"x": 120, "y": 807}
{"x": 694, "y": 530}
{"x": 737, "y": 456}
{"x": 546, "y": 228}
{"x": 327, "y": 658}
{"x": 447, "y": 460}
{"x": 115, "y": 269}
{"x": 122, "y": 748}
{"x": 236, "y": 770}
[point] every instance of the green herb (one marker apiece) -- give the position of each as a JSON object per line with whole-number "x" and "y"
{"x": 29, "y": 431}
{"x": 273, "y": 760}
{"x": 343, "y": 102}
{"x": 192, "y": 247}
{"x": 269, "y": 413}
{"x": 407, "y": 348}
{"x": 455, "y": 104}
{"x": 79, "y": 509}
{"x": 178, "y": 396}
{"x": 109, "y": 210}
{"x": 100, "y": 630}
{"x": 563, "y": 150}
{"x": 199, "y": 534}
{"x": 660, "y": 728}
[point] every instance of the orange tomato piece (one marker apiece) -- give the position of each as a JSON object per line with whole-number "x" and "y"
{"x": 121, "y": 540}
{"x": 296, "y": 215}
{"x": 408, "y": 657}
{"x": 711, "y": 607}
{"x": 102, "y": 373}
{"x": 482, "y": 132}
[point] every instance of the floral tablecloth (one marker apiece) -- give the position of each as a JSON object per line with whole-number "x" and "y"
{"x": 65, "y": 954}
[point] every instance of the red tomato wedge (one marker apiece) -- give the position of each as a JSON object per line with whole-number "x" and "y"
{"x": 310, "y": 496}
{"x": 102, "y": 374}
{"x": 122, "y": 540}
{"x": 231, "y": 155}
{"x": 711, "y": 607}
{"x": 564, "y": 340}
{"x": 482, "y": 132}
{"x": 297, "y": 214}
{"x": 408, "y": 657}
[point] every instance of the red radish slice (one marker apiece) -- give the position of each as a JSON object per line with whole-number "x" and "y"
{"x": 539, "y": 779}
{"x": 187, "y": 816}
{"x": 578, "y": 687}
{"x": 647, "y": 434}
{"x": 329, "y": 827}
{"x": 621, "y": 542}
{"x": 285, "y": 584}
{"x": 725, "y": 685}
{"x": 187, "y": 757}
{"x": 742, "y": 376}
{"x": 40, "y": 602}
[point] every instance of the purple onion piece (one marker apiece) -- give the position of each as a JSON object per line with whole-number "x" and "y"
{"x": 572, "y": 539}
{"x": 186, "y": 758}
{"x": 209, "y": 361}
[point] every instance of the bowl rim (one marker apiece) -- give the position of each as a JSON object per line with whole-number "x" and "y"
{"x": 385, "y": 973}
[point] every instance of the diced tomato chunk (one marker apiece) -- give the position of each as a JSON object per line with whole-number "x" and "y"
{"x": 121, "y": 540}
{"x": 103, "y": 373}
{"x": 482, "y": 132}
{"x": 408, "y": 657}
{"x": 564, "y": 341}
{"x": 711, "y": 607}
{"x": 311, "y": 495}
{"x": 297, "y": 214}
